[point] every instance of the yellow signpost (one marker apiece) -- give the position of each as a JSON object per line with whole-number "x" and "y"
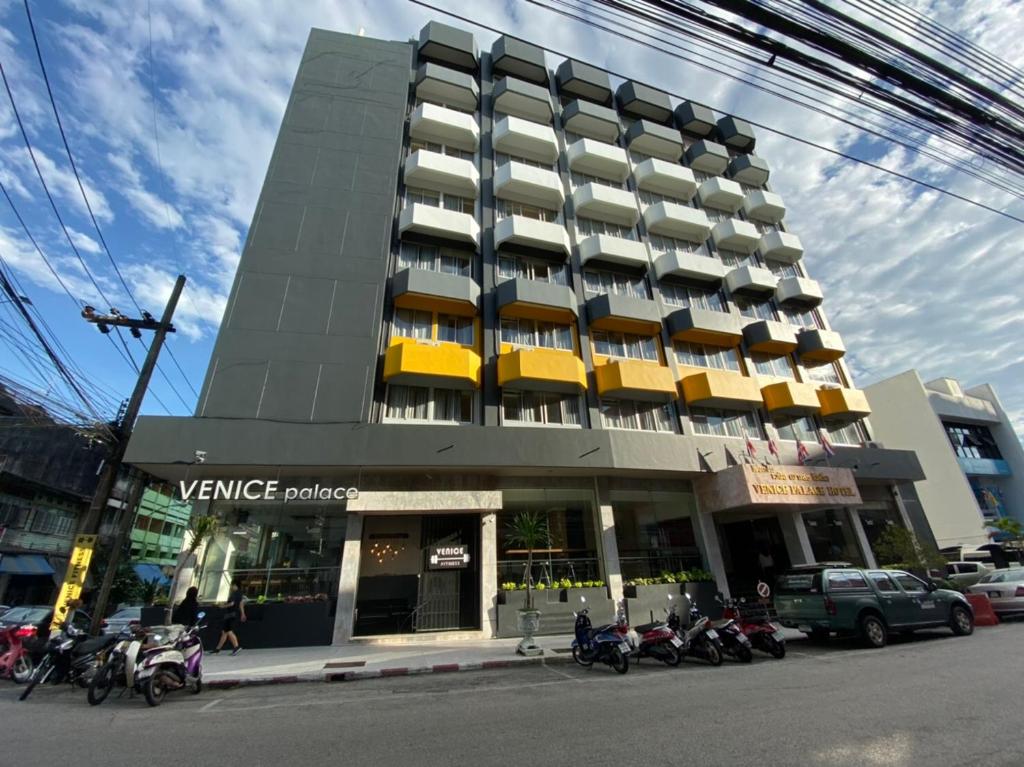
{"x": 74, "y": 578}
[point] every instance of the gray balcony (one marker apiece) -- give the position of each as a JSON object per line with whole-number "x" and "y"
{"x": 520, "y": 295}
{"x": 442, "y": 125}
{"x": 735, "y": 234}
{"x": 438, "y": 222}
{"x": 801, "y": 291}
{"x": 748, "y": 169}
{"x": 764, "y": 206}
{"x": 708, "y": 157}
{"x": 656, "y": 140}
{"x": 528, "y": 184}
{"x": 720, "y": 193}
{"x": 605, "y": 203}
{"x": 695, "y": 118}
{"x": 444, "y": 290}
{"x": 448, "y": 45}
{"x": 702, "y": 326}
{"x": 592, "y": 120}
{"x": 820, "y": 345}
{"x": 442, "y": 172}
{"x": 736, "y": 133}
{"x": 674, "y": 220}
{"x": 751, "y": 281}
{"x": 522, "y": 99}
{"x": 642, "y": 101}
{"x": 781, "y": 246}
{"x": 597, "y": 158}
{"x": 446, "y": 86}
{"x": 513, "y": 56}
{"x": 770, "y": 337}
{"x": 532, "y": 233}
{"x": 627, "y": 314}
{"x": 667, "y": 178}
{"x": 578, "y": 79}
{"x": 525, "y": 138}
{"x": 616, "y": 250}
{"x": 690, "y": 266}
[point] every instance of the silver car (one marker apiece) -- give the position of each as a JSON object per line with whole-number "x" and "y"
{"x": 123, "y": 617}
{"x": 1005, "y": 589}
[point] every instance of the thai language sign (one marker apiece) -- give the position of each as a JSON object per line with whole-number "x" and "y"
{"x": 753, "y": 485}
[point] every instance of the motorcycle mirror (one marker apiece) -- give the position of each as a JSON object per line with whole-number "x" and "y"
{"x": 200, "y": 616}
{"x": 583, "y": 599}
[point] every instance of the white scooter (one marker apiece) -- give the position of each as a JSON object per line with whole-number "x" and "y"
{"x": 124, "y": 658}
{"x": 172, "y": 667}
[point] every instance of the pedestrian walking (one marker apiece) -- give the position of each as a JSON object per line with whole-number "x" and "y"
{"x": 234, "y": 611}
{"x": 187, "y": 611}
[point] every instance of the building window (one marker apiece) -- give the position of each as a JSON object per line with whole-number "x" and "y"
{"x": 601, "y": 281}
{"x": 501, "y": 158}
{"x": 704, "y": 356}
{"x": 571, "y": 550}
{"x": 663, "y": 244}
{"x": 412, "y": 323}
{"x": 831, "y": 537}
{"x": 640, "y": 416}
{"x": 755, "y": 310}
{"x": 431, "y": 258}
{"x": 971, "y": 441}
{"x": 423, "y": 403}
{"x": 653, "y": 198}
{"x": 801, "y": 317}
{"x": 734, "y": 259}
{"x": 455, "y": 329}
{"x": 714, "y": 422}
{"x": 762, "y": 226}
{"x": 845, "y": 433}
{"x": 524, "y": 332}
{"x": 823, "y": 372}
{"x": 782, "y": 269}
{"x": 541, "y": 408}
{"x": 582, "y": 179}
{"x": 439, "y": 200}
{"x": 793, "y": 429}
{"x": 655, "y": 536}
{"x": 417, "y": 144}
{"x": 716, "y": 216}
{"x": 687, "y": 296}
{"x": 625, "y": 345}
{"x": 506, "y": 208}
{"x": 591, "y": 226}
{"x": 771, "y": 366}
{"x": 520, "y": 267}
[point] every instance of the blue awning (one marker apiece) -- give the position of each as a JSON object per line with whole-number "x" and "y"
{"x": 149, "y": 573}
{"x": 25, "y": 564}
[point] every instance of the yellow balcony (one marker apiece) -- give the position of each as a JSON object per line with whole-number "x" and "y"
{"x": 719, "y": 388}
{"x": 843, "y": 404}
{"x": 431, "y": 363}
{"x": 790, "y": 398}
{"x": 552, "y": 370}
{"x": 635, "y": 379}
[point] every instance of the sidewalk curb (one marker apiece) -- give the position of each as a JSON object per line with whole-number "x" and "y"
{"x": 377, "y": 673}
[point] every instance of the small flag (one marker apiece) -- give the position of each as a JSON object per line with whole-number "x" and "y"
{"x": 801, "y": 453}
{"x": 773, "y": 448}
{"x": 751, "y": 450}
{"x": 827, "y": 446}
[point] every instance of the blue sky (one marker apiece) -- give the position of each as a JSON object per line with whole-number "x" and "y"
{"x": 911, "y": 278}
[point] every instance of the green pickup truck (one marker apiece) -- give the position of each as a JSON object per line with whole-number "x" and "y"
{"x": 838, "y": 598}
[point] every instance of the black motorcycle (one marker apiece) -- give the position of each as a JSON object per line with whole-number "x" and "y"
{"x": 604, "y": 644}
{"x": 71, "y": 656}
{"x": 735, "y": 644}
{"x": 700, "y": 640}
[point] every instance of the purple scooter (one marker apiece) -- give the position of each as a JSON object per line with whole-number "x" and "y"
{"x": 179, "y": 664}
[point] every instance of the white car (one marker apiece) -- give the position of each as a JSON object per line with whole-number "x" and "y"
{"x": 1005, "y": 589}
{"x": 966, "y": 573}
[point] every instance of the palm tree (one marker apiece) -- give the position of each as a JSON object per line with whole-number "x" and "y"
{"x": 529, "y": 530}
{"x": 1012, "y": 529}
{"x": 202, "y": 528}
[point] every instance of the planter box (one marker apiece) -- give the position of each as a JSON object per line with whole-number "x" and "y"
{"x": 272, "y": 624}
{"x": 648, "y": 603}
{"x": 704, "y": 594}
{"x": 556, "y": 607}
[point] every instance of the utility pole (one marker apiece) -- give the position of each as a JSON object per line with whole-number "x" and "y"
{"x": 91, "y": 523}
{"x": 136, "y": 484}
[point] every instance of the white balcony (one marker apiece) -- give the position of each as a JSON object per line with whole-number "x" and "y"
{"x": 614, "y": 249}
{"x": 529, "y": 185}
{"x": 764, "y": 206}
{"x": 531, "y": 140}
{"x": 438, "y": 222}
{"x": 751, "y": 279}
{"x": 431, "y": 122}
{"x": 721, "y": 193}
{"x": 667, "y": 178}
{"x": 605, "y": 203}
{"x": 674, "y": 220}
{"x": 433, "y": 170}
{"x": 781, "y": 246}
{"x": 596, "y": 158}
{"x": 520, "y": 230}
{"x": 733, "y": 234}
{"x": 690, "y": 266}
{"x": 799, "y": 290}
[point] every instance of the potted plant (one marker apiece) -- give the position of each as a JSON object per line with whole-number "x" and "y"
{"x": 528, "y": 530}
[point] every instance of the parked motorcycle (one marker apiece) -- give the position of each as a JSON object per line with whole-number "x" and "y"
{"x": 71, "y": 656}
{"x": 15, "y": 660}
{"x": 605, "y": 644}
{"x": 119, "y": 670}
{"x": 172, "y": 667}
{"x": 699, "y": 639}
{"x": 754, "y": 622}
{"x": 658, "y": 641}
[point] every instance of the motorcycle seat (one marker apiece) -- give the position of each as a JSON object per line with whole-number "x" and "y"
{"x": 648, "y": 627}
{"x": 95, "y": 644}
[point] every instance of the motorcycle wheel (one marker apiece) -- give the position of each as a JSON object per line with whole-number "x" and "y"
{"x": 777, "y": 648}
{"x": 577, "y": 655}
{"x": 101, "y": 684}
{"x": 41, "y": 674}
{"x": 154, "y": 690}
{"x": 712, "y": 653}
{"x": 619, "y": 661}
{"x": 675, "y": 656}
{"x": 21, "y": 671}
{"x": 743, "y": 654}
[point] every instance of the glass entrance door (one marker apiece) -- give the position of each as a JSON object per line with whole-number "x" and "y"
{"x": 448, "y": 597}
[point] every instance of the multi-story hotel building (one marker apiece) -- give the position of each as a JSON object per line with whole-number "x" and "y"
{"x": 482, "y": 283}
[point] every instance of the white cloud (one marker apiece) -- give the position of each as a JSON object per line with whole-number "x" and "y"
{"x": 84, "y": 242}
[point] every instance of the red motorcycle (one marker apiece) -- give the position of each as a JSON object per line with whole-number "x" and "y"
{"x": 755, "y": 623}
{"x": 15, "y": 661}
{"x": 657, "y": 640}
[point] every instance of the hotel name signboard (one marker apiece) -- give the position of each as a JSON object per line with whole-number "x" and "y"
{"x": 775, "y": 485}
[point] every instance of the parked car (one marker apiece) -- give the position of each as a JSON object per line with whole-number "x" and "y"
{"x": 40, "y": 617}
{"x": 966, "y": 573}
{"x": 822, "y": 599}
{"x": 1005, "y": 589}
{"x": 124, "y": 617}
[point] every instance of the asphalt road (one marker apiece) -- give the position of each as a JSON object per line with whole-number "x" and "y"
{"x": 931, "y": 700}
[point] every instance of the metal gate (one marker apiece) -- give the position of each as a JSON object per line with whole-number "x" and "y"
{"x": 439, "y": 602}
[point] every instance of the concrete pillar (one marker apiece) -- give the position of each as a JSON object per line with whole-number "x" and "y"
{"x": 797, "y": 543}
{"x": 489, "y": 575}
{"x": 610, "y": 550}
{"x": 707, "y": 540}
{"x": 348, "y": 580}
{"x": 862, "y": 539}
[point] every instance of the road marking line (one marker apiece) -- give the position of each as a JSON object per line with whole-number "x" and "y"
{"x": 554, "y": 670}
{"x": 210, "y": 705}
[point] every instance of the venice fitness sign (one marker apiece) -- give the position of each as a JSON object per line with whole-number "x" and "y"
{"x": 261, "y": 490}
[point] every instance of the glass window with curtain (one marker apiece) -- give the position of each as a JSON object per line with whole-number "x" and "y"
{"x": 845, "y": 433}
{"x": 755, "y": 310}
{"x": 423, "y": 403}
{"x": 734, "y": 259}
{"x": 540, "y": 408}
{"x": 625, "y": 345}
{"x": 655, "y": 533}
{"x": 430, "y": 258}
{"x": 688, "y": 296}
{"x": 412, "y": 323}
{"x": 506, "y": 208}
{"x": 638, "y": 416}
{"x": 430, "y": 146}
{"x": 512, "y": 267}
{"x": 832, "y": 537}
{"x": 823, "y": 372}
{"x": 800, "y": 316}
{"x": 600, "y": 281}
{"x": 591, "y": 226}
{"x": 714, "y": 422}
{"x": 792, "y": 429}
{"x": 455, "y": 329}
{"x": 773, "y": 366}
{"x": 527, "y": 332}
{"x": 705, "y": 356}
{"x": 663, "y": 244}
{"x": 582, "y": 179}
{"x": 503, "y": 158}
{"x": 653, "y": 198}
{"x": 782, "y": 269}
